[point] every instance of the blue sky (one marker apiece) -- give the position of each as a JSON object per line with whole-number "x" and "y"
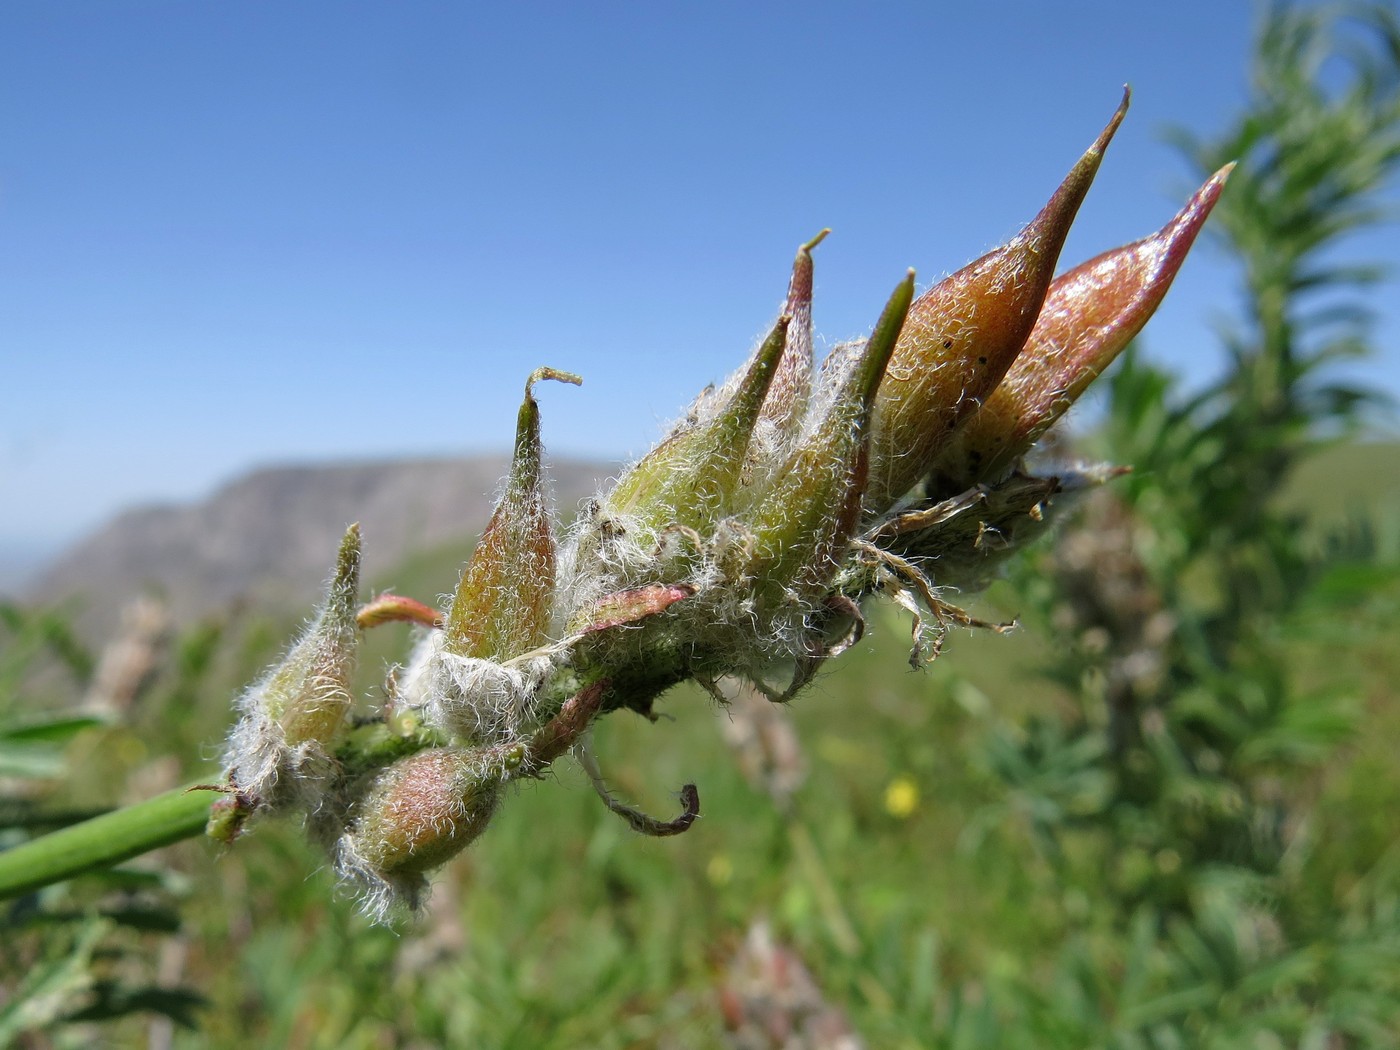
{"x": 241, "y": 234}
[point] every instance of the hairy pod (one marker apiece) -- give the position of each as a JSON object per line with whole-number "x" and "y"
{"x": 690, "y": 479}
{"x": 780, "y": 420}
{"x": 963, "y": 334}
{"x": 417, "y": 814}
{"x": 1090, "y": 314}
{"x": 298, "y": 710}
{"x": 811, "y": 508}
{"x": 504, "y": 600}
{"x": 786, "y": 405}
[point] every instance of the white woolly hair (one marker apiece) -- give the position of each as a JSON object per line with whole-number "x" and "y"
{"x": 830, "y": 381}
{"x": 257, "y": 755}
{"x": 265, "y": 767}
{"x": 473, "y": 699}
{"x": 599, "y": 557}
{"x": 379, "y": 894}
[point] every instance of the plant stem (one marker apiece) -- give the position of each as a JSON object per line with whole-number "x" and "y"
{"x": 103, "y": 841}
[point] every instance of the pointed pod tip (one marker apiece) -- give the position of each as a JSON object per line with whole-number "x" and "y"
{"x": 1051, "y": 225}
{"x": 904, "y": 291}
{"x": 899, "y": 302}
{"x": 1218, "y": 180}
{"x": 1209, "y": 192}
{"x": 761, "y": 370}
{"x": 882, "y": 341}
{"x": 1196, "y": 210}
{"x": 897, "y": 308}
{"x": 800, "y": 285}
{"x": 1111, "y": 128}
{"x": 345, "y": 584}
{"x": 349, "y": 554}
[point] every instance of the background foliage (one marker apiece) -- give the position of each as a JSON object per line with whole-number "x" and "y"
{"x": 1161, "y": 816}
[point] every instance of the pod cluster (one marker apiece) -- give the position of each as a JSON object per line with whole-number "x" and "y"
{"x": 742, "y": 545}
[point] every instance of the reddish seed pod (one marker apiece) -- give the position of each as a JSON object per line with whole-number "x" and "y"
{"x": 788, "y": 396}
{"x": 1091, "y": 313}
{"x": 963, "y": 334}
{"x": 419, "y": 813}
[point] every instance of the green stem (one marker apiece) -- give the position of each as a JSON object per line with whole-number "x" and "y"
{"x": 103, "y": 841}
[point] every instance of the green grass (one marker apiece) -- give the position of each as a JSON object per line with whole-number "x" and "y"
{"x": 562, "y": 928}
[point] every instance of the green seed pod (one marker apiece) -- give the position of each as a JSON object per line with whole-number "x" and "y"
{"x": 313, "y": 684}
{"x": 962, "y": 336}
{"x": 810, "y": 510}
{"x": 780, "y": 421}
{"x": 504, "y": 599}
{"x": 416, "y": 815}
{"x": 690, "y": 478}
{"x": 1090, "y": 314}
{"x": 298, "y": 711}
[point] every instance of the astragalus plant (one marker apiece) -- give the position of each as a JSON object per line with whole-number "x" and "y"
{"x": 743, "y": 545}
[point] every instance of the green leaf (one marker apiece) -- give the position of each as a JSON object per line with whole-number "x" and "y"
{"x": 58, "y": 730}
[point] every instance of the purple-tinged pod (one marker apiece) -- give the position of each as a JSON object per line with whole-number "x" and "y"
{"x": 809, "y": 512}
{"x": 962, "y": 336}
{"x": 503, "y": 603}
{"x": 1091, "y": 313}
{"x": 690, "y": 479}
{"x": 780, "y": 417}
{"x": 786, "y": 404}
{"x": 298, "y": 711}
{"x": 416, "y": 815}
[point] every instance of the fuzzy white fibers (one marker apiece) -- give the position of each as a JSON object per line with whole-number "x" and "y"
{"x": 263, "y": 766}
{"x": 380, "y": 894}
{"x": 261, "y": 762}
{"x": 472, "y": 699}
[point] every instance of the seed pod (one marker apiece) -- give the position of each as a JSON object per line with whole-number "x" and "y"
{"x": 809, "y": 512}
{"x": 417, "y": 814}
{"x": 962, "y": 336}
{"x": 691, "y": 477}
{"x": 503, "y": 602}
{"x": 299, "y": 709}
{"x": 1091, "y": 313}
{"x": 786, "y": 404}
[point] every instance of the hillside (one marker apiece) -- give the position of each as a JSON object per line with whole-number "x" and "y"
{"x": 269, "y": 536}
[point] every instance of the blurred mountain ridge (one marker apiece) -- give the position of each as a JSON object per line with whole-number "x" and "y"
{"x": 269, "y": 536}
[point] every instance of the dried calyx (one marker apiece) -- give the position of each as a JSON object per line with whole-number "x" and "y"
{"x": 742, "y": 546}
